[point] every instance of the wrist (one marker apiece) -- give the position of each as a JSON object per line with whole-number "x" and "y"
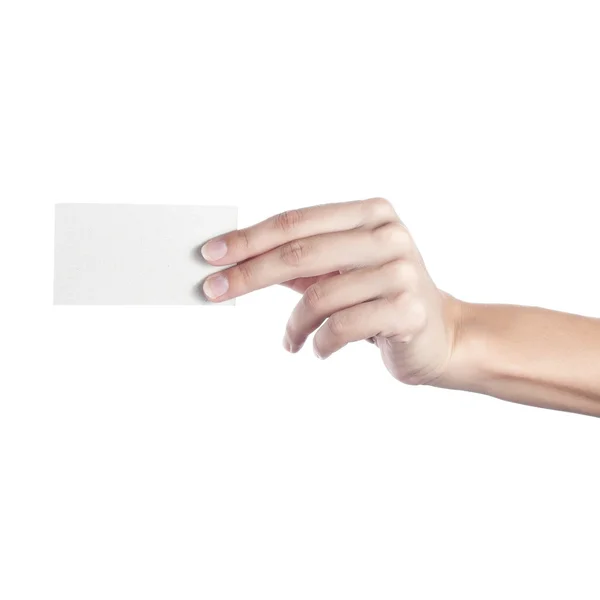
{"x": 468, "y": 364}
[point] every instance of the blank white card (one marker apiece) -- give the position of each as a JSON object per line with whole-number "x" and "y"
{"x": 134, "y": 253}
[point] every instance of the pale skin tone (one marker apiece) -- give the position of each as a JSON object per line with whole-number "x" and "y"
{"x": 361, "y": 277}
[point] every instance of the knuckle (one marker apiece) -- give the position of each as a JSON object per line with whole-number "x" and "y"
{"x": 416, "y": 316}
{"x": 337, "y": 324}
{"x": 288, "y": 220}
{"x": 403, "y": 274}
{"x": 421, "y": 321}
{"x": 243, "y": 240}
{"x": 412, "y": 316}
{"x": 394, "y": 235}
{"x": 378, "y": 209}
{"x": 313, "y": 296}
{"x": 293, "y": 253}
{"x": 245, "y": 271}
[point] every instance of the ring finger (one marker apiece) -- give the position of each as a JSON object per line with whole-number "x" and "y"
{"x": 352, "y": 325}
{"x": 332, "y": 295}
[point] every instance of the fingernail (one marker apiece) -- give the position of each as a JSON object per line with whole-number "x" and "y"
{"x": 317, "y": 353}
{"x": 286, "y": 343}
{"x": 215, "y": 286}
{"x": 214, "y": 250}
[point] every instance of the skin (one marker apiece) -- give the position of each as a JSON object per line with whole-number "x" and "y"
{"x": 361, "y": 277}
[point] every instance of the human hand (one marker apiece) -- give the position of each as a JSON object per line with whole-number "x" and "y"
{"x": 361, "y": 278}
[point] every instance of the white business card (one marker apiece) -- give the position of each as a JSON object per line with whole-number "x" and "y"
{"x": 135, "y": 253}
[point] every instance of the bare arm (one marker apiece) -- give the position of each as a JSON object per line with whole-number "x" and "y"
{"x": 529, "y": 355}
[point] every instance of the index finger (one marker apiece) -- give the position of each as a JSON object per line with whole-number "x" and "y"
{"x": 242, "y": 244}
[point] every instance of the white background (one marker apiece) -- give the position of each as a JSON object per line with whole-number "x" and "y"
{"x": 179, "y": 453}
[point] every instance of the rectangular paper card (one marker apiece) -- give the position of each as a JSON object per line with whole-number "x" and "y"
{"x": 135, "y": 253}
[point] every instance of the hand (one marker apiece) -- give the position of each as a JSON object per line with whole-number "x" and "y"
{"x": 361, "y": 278}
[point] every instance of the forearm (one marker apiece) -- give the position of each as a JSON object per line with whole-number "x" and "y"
{"x": 529, "y": 355}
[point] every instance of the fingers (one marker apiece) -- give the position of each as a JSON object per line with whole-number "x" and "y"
{"x": 301, "y": 284}
{"x": 332, "y": 295}
{"x": 401, "y": 317}
{"x": 353, "y": 324}
{"x": 310, "y": 257}
{"x": 242, "y": 244}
